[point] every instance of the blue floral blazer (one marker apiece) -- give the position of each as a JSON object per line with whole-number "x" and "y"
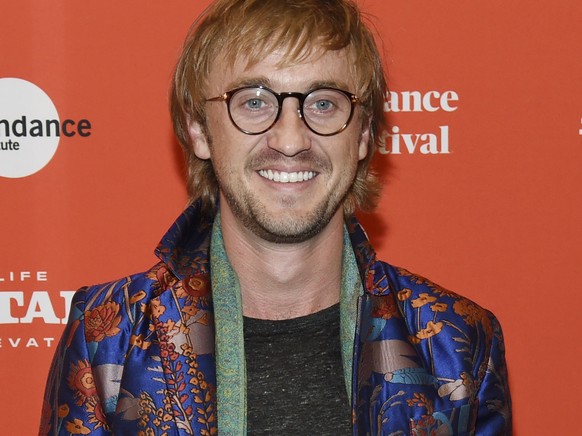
{"x": 138, "y": 355}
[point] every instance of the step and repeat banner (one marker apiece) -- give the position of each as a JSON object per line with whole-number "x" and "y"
{"x": 481, "y": 166}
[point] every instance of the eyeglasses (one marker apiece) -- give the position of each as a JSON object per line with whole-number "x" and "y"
{"x": 254, "y": 110}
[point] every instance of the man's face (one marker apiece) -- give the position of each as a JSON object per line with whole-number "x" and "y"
{"x": 286, "y": 184}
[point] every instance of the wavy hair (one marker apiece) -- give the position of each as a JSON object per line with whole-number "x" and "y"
{"x": 297, "y": 28}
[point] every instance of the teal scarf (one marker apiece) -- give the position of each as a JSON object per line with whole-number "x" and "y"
{"x": 231, "y": 376}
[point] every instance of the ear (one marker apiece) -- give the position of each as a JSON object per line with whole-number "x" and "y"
{"x": 364, "y": 139}
{"x": 198, "y": 140}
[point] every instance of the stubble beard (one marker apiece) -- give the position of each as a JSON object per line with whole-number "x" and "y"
{"x": 248, "y": 208}
{"x": 286, "y": 230}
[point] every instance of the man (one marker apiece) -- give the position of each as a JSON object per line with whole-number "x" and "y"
{"x": 268, "y": 312}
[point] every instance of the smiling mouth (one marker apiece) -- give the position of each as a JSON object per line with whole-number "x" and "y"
{"x": 283, "y": 177}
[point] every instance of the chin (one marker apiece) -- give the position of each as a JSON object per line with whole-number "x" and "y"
{"x": 289, "y": 226}
{"x": 280, "y": 235}
{"x": 285, "y": 219}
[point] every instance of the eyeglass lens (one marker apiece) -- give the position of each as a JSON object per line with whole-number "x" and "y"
{"x": 325, "y": 111}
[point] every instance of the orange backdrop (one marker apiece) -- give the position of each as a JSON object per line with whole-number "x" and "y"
{"x": 481, "y": 167}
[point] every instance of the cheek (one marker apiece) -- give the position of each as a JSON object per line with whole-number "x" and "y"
{"x": 221, "y": 144}
{"x": 358, "y": 150}
{"x": 229, "y": 152}
{"x": 346, "y": 163}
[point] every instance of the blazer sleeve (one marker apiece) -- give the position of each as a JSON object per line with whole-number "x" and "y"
{"x": 71, "y": 402}
{"x": 494, "y": 412}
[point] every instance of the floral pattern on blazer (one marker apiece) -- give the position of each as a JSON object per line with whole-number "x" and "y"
{"x": 137, "y": 356}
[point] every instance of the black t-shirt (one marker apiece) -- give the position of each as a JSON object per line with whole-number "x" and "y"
{"x": 295, "y": 381}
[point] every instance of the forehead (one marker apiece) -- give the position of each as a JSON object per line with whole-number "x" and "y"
{"x": 320, "y": 67}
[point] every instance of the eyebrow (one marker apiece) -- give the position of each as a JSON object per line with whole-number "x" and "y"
{"x": 329, "y": 84}
{"x": 266, "y": 82}
{"x": 250, "y": 81}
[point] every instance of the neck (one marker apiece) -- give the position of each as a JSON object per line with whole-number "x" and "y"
{"x": 282, "y": 281}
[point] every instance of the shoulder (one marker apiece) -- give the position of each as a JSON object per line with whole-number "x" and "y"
{"x": 416, "y": 294}
{"x": 445, "y": 327}
{"x": 142, "y": 286}
{"x": 99, "y": 313}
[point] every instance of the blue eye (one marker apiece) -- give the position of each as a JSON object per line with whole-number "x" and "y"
{"x": 323, "y": 105}
{"x": 254, "y": 103}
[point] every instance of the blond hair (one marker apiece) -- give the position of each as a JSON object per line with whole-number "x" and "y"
{"x": 256, "y": 28}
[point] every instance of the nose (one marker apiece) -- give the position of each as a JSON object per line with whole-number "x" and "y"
{"x": 289, "y": 135}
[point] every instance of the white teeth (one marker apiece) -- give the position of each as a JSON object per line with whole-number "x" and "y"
{"x": 283, "y": 177}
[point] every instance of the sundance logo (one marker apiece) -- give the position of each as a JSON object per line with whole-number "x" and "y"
{"x": 30, "y": 128}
